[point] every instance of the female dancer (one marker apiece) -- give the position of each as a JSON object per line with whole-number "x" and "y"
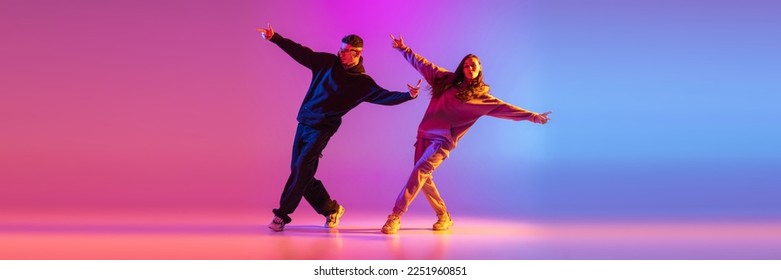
{"x": 458, "y": 99}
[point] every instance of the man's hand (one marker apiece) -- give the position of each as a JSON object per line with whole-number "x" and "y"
{"x": 398, "y": 43}
{"x": 266, "y": 33}
{"x": 413, "y": 91}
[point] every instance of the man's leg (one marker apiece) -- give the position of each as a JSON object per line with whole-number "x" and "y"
{"x": 321, "y": 201}
{"x": 318, "y": 197}
{"x": 309, "y": 143}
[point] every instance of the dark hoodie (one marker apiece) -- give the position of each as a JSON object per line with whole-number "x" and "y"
{"x": 334, "y": 91}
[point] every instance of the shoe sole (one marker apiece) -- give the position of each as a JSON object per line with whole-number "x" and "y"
{"x": 275, "y": 229}
{"x": 389, "y": 232}
{"x": 392, "y": 231}
{"x": 449, "y": 225}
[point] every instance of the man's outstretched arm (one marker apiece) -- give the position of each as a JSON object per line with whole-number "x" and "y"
{"x": 302, "y": 55}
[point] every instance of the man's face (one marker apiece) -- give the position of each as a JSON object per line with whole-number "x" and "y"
{"x": 349, "y": 55}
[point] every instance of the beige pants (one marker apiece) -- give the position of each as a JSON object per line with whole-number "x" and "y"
{"x": 429, "y": 154}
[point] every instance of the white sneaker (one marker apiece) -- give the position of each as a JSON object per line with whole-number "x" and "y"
{"x": 277, "y": 224}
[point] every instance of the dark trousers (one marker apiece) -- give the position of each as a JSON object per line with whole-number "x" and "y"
{"x": 308, "y": 146}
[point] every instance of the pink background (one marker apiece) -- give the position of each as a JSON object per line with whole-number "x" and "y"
{"x": 180, "y": 107}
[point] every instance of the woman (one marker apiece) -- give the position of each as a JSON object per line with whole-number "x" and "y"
{"x": 458, "y": 99}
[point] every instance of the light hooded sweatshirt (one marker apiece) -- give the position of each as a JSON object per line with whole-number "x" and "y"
{"x": 447, "y": 118}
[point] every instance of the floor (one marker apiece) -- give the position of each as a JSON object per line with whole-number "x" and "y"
{"x": 236, "y": 237}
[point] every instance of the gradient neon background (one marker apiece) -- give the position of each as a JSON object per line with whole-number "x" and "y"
{"x": 662, "y": 109}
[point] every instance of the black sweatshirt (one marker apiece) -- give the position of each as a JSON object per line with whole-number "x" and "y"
{"x": 334, "y": 91}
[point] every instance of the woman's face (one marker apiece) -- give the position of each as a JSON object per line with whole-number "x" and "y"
{"x": 471, "y": 68}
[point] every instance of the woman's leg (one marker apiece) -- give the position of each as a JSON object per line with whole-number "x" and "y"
{"x": 428, "y": 156}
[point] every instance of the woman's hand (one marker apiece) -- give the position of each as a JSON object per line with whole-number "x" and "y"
{"x": 398, "y": 43}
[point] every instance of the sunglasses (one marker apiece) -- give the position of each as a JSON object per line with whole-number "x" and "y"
{"x": 352, "y": 52}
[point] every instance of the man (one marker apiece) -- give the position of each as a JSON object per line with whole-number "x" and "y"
{"x": 339, "y": 84}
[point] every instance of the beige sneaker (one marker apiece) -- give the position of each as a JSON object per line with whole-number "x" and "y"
{"x": 333, "y": 220}
{"x": 443, "y": 222}
{"x": 392, "y": 225}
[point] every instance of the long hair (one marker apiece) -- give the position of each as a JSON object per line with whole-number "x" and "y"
{"x": 476, "y": 89}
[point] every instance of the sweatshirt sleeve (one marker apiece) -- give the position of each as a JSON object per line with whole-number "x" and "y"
{"x": 303, "y": 55}
{"x": 379, "y": 95}
{"x": 508, "y": 111}
{"x": 429, "y": 71}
